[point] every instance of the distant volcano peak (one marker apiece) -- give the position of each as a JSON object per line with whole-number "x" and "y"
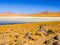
{"x": 6, "y": 12}
{"x": 58, "y": 12}
{"x": 45, "y": 12}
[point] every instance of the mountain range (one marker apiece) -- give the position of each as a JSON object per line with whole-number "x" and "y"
{"x": 42, "y": 14}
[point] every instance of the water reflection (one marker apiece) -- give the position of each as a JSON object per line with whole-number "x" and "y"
{"x": 3, "y": 22}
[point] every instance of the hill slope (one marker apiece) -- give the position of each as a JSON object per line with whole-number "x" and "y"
{"x": 43, "y": 14}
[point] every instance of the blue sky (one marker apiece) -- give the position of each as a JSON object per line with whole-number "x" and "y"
{"x": 29, "y": 6}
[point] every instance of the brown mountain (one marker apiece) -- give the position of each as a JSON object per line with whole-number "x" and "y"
{"x": 47, "y": 14}
{"x": 6, "y": 12}
{"x": 42, "y": 14}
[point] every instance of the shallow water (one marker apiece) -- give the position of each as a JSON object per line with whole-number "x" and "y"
{"x": 14, "y": 20}
{"x": 4, "y": 23}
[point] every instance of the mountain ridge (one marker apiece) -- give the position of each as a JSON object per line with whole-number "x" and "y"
{"x": 42, "y": 14}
